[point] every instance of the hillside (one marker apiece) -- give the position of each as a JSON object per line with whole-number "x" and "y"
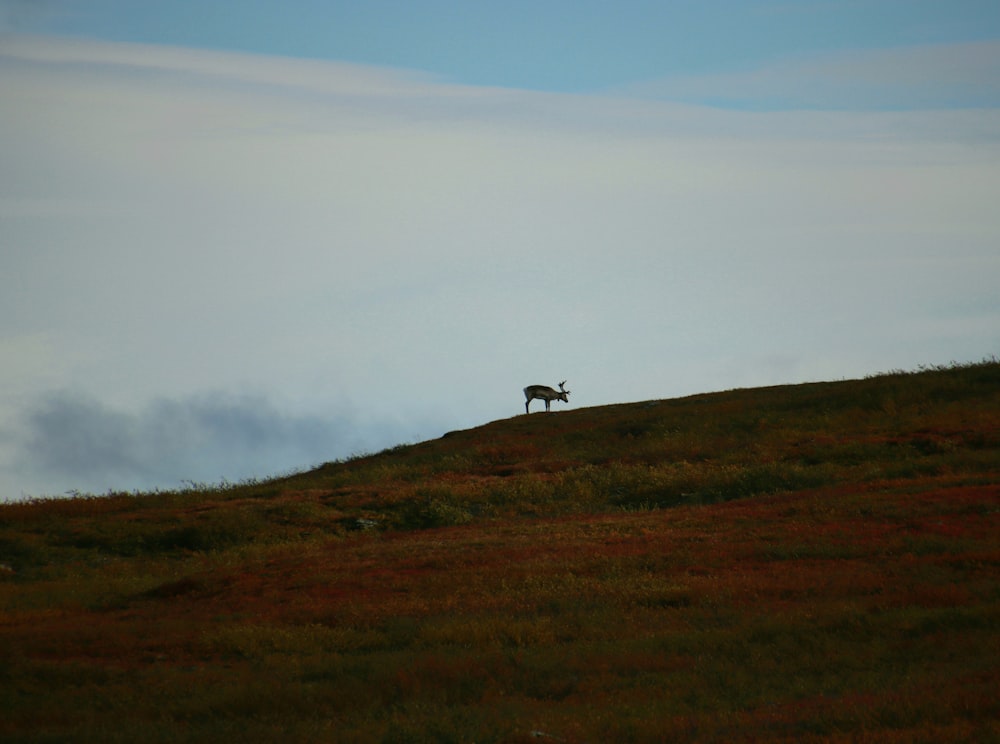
{"x": 814, "y": 562}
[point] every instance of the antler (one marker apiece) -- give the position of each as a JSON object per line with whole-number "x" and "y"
{"x": 561, "y": 386}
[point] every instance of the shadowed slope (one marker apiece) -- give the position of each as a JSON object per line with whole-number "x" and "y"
{"x": 826, "y": 571}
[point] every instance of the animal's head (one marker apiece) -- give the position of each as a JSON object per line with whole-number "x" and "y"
{"x": 563, "y": 392}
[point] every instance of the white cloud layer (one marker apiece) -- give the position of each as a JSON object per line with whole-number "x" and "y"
{"x": 398, "y": 257}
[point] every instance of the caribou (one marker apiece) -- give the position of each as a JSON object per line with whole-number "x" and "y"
{"x": 544, "y": 392}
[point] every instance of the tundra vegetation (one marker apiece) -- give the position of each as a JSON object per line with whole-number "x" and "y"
{"x": 808, "y": 563}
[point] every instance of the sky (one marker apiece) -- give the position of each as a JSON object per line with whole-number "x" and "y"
{"x": 240, "y": 239}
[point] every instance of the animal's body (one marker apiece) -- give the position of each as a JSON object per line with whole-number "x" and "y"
{"x": 544, "y": 392}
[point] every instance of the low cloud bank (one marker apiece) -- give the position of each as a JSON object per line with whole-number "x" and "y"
{"x": 71, "y": 441}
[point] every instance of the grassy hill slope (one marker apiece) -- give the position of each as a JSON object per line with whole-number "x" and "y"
{"x": 802, "y": 563}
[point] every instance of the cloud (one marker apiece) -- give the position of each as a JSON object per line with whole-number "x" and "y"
{"x": 362, "y": 255}
{"x": 932, "y": 76}
{"x": 276, "y": 73}
{"x": 71, "y": 440}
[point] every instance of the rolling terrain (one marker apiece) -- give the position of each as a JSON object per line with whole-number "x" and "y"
{"x": 806, "y": 563}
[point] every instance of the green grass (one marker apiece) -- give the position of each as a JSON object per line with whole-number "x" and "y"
{"x": 804, "y": 563}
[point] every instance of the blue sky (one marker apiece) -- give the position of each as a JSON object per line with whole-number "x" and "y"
{"x": 578, "y": 46}
{"x": 243, "y": 238}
